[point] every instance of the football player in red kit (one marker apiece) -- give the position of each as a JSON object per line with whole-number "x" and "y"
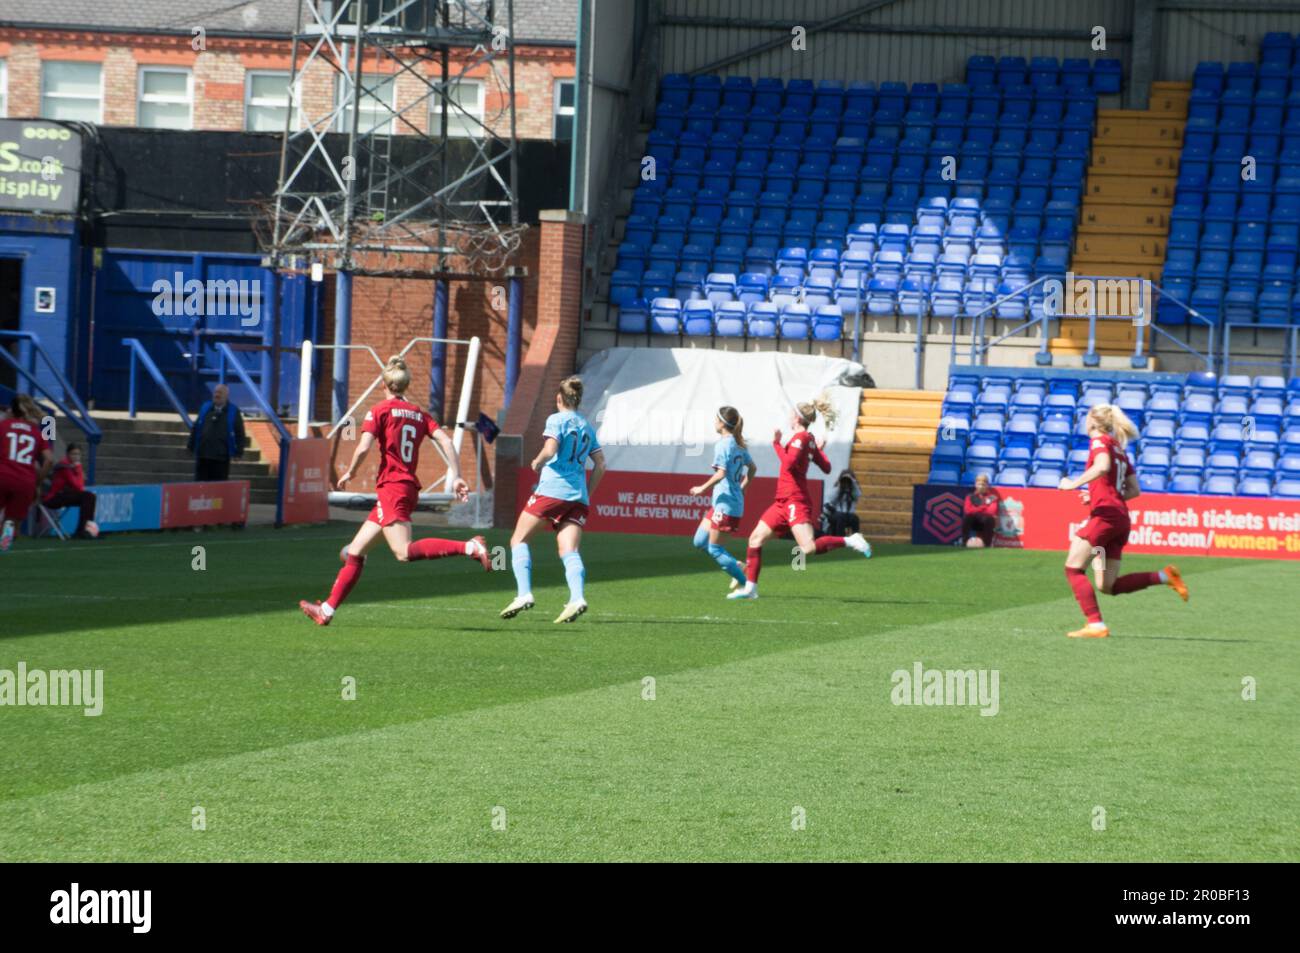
{"x": 25, "y": 459}
{"x": 398, "y": 427}
{"x": 1111, "y": 484}
{"x": 792, "y": 512}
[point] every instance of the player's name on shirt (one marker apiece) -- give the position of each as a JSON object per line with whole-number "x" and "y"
{"x": 406, "y": 414}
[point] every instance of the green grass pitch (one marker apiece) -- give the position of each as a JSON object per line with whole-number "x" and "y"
{"x": 219, "y": 695}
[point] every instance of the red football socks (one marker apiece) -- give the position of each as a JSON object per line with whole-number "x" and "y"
{"x": 346, "y": 579}
{"x": 1135, "y": 582}
{"x": 1084, "y": 593}
{"x": 435, "y": 548}
{"x": 825, "y": 544}
{"x": 753, "y": 563}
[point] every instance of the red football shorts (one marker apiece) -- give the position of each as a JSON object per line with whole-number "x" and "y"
{"x": 396, "y": 503}
{"x": 783, "y": 514}
{"x": 16, "y": 499}
{"x": 724, "y": 523}
{"x": 558, "y": 512}
{"x": 1108, "y": 531}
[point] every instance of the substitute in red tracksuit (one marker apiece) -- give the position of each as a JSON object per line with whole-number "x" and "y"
{"x": 980, "y": 514}
{"x": 1110, "y": 483}
{"x": 24, "y": 461}
{"x": 68, "y": 488}
{"x": 792, "y": 513}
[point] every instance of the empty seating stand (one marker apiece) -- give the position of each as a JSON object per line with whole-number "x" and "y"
{"x": 1026, "y": 428}
{"x": 1235, "y": 225}
{"x": 891, "y": 199}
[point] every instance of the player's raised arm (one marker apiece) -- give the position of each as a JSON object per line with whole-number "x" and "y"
{"x": 550, "y": 447}
{"x": 1132, "y": 489}
{"x": 358, "y": 455}
{"x": 1100, "y": 467}
{"x": 454, "y": 479}
{"x": 597, "y": 471}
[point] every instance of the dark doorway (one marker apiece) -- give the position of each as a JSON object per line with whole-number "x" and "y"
{"x": 11, "y": 291}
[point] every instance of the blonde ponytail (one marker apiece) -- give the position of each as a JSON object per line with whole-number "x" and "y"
{"x": 396, "y": 377}
{"x": 1112, "y": 420}
{"x": 821, "y": 404}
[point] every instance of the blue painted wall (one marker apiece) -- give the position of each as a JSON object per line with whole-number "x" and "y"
{"x": 50, "y": 251}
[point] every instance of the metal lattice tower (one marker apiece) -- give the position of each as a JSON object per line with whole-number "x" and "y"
{"x": 367, "y": 177}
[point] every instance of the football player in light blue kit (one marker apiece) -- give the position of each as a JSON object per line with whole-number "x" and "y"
{"x": 733, "y": 468}
{"x": 560, "y": 497}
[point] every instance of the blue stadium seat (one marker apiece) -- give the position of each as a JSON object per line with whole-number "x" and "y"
{"x": 634, "y": 317}
{"x": 729, "y": 319}
{"x": 665, "y": 316}
{"x": 697, "y": 318}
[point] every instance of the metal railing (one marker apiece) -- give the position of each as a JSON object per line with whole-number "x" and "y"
{"x": 228, "y": 357}
{"x": 140, "y": 357}
{"x": 1288, "y": 363}
{"x": 66, "y": 402}
{"x": 980, "y": 345}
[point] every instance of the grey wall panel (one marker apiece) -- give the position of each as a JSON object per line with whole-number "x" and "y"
{"x": 1190, "y": 33}
{"x": 908, "y": 40}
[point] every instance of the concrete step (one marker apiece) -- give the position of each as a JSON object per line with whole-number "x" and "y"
{"x": 878, "y": 479}
{"x": 882, "y": 420}
{"x": 895, "y": 436}
{"x": 1129, "y": 190}
{"x": 893, "y": 492}
{"x": 900, "y": 518}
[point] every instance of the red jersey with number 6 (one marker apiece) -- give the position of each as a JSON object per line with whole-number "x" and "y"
{"x": 21, "y": 447}
{"x": 1107, "y": 491}
{"x": 399, "y": 428}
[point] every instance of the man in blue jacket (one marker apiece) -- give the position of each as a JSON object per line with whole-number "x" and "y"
{"x": 217, "y": 436}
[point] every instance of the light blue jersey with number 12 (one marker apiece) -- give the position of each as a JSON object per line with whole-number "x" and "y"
{"x": 565, "y": 475}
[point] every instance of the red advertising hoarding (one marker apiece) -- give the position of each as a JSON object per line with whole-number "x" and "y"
{"x": 204, "y": 504}
{"x": 637, "y": 502}
{"x": 306, "y": 482}
{"x": 1163, "y": 523}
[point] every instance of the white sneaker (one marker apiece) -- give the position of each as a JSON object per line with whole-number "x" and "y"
{"x": 748, "y": 591}
{"x": 571, "y": 611}
{"x": 734, "y": 585}
{"x": 859, "y": 543}
{"x": 520, "y": 604}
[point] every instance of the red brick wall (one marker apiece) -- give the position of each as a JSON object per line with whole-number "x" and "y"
{"x": 219, "y": 76}
{"x": 388, "y": 312}
{"x": 551, "y": 353}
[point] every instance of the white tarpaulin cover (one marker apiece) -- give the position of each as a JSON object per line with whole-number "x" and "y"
{"x": 654, "y": 408}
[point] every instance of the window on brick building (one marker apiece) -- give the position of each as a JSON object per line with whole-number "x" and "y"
{"x": 465, "y": 120}
{"x": 378, "y": 99}
{"x": 267, "y": 101}
{"x": 166, "y": 98}
{"x": 72, "y": 90}
{"x": 566, "y": 93}
{"x": 4, "y": 89}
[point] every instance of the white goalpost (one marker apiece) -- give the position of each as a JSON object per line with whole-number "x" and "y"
{"x": 429, "y": 495}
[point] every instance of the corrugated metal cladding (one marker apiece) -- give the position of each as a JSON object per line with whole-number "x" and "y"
{"x": 1189, "y": 34}
{"x": 906, "y": 40}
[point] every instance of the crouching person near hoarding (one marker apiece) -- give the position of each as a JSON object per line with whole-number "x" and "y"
{"x": 980, "y": 514}
{"x": 68, "y": 488}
